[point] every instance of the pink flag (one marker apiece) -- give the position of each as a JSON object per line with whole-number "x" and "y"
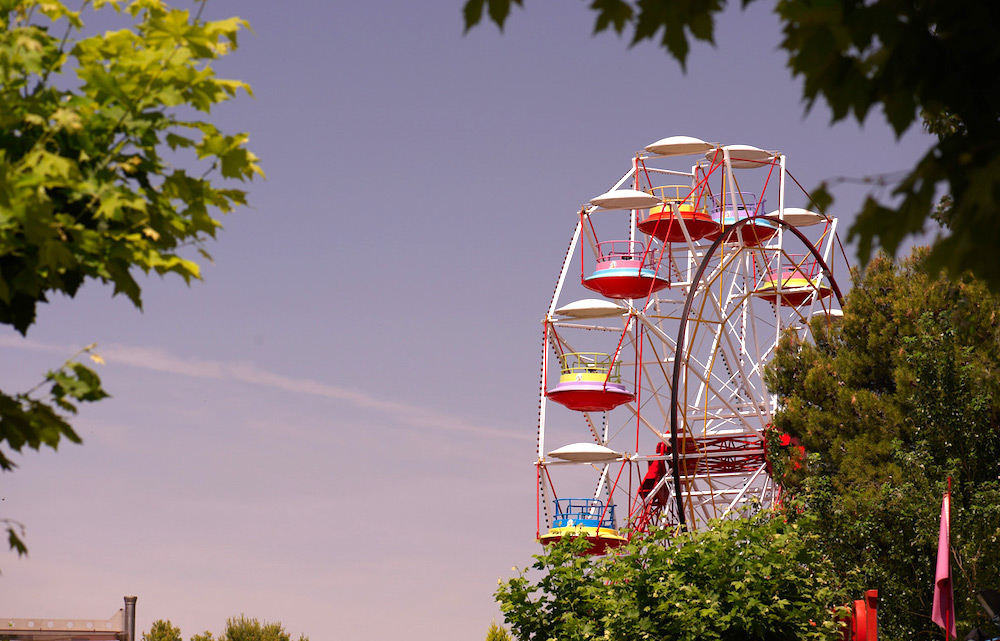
{"x": 944, "y": 603}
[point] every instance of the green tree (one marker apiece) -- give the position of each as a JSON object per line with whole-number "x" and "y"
{"x": 105, "y": 171}
{"x": 244, "y": 629}
{"x": 899, "y": 396}
{"x": 162, "y": 631}
{"x": 760, "y": 578}
{"x": 924, "y": 61}
{"x": 497, "y": 633}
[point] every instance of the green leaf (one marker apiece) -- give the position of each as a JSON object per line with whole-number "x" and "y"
{"x": 615, "y": 13}
{"x": 498, "y": 11}
{"x": 473, "y": 13}
{"x": 15, "y": 534}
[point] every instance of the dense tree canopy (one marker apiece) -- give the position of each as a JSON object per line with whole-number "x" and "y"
{"x": 931, "y": 61}
{"x": 759, "y": 579}
{"x": 105, "y": 171}
{"x": 904, "y": 393}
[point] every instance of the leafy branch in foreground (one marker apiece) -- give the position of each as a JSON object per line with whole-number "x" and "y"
{"x": 27, "y": 420}
{"x": 15, "y": 536}
{"x": 106, "y": 170}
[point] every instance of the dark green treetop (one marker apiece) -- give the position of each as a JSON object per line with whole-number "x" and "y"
{"x": 901, "y": 395}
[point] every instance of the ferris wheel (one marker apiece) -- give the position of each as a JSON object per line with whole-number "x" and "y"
{"x": 673, "y": 296}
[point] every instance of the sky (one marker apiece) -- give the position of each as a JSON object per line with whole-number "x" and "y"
{"x": 335, "y": 429}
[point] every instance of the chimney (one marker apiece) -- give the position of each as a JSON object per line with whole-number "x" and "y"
{"x": 130, "y": 617}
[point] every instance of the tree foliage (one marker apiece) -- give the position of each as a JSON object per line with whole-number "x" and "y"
{"x": 162, "y": 631}
{"x": 904, "y": 393}
{"x": 26, "y": 420}
{"x": 237, "y": 629}
{"x": 86, "y": 190}
{"x": 106, "y": 171}
{"x": 244, "y": 629}
{"x": 497, "y": 633}
{"x": 927, "y": 61}
{"x": 761, "y": 578}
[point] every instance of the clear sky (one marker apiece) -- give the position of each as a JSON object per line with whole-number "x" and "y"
{"x": 335, "y": 429}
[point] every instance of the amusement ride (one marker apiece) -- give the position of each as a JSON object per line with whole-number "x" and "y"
{"x": 676, "y": 289}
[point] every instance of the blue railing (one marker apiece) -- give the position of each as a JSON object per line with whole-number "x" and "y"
{"x": 583, "y": 512}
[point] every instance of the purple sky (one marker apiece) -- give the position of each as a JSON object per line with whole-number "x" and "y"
{"x": 335, "y": 429}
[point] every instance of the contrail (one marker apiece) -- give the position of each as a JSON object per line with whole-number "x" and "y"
{"x": 158, "y": 360}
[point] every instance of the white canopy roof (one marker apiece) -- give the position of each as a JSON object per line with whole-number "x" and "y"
{"x": 679, "y": 146}
{"x": 585, "y": 453}
{"x": 744, "y": 156}
{"x": 625, "y": 199}
{"x": 592, "y": 308}
{"x": 798, "y": 217}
